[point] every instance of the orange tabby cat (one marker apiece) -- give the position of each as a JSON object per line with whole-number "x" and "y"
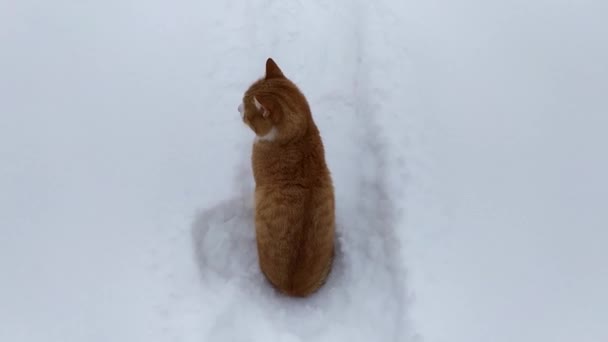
{"x": 294, "y": 196}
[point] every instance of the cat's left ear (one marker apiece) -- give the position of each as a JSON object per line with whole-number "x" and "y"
{"x": 273, "y": 70}
{"x": 265, "y": 104}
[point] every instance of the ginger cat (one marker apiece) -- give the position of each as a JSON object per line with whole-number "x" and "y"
{"x": 294, "y": 195}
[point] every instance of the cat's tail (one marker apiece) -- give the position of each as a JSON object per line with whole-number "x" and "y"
{"x": 305, "y": 287}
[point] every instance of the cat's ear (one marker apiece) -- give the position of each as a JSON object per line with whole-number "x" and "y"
{"x": 272, "y": 70}
{"x": 265, "y": 104}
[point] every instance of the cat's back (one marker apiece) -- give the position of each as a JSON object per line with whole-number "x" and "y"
{"x": 294, "y": 215}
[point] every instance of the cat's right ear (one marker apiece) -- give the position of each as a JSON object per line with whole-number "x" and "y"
{"x": 265, "y": 104}
{"x": 273, "y": 70}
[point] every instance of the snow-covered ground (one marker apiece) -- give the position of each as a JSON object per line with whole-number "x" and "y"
{"x": 467, "y": 141}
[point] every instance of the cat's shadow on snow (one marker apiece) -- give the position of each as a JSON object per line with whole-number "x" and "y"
{"x": 225, "y": 251}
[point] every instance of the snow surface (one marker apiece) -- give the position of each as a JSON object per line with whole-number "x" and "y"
{"x": 467, "y": 141}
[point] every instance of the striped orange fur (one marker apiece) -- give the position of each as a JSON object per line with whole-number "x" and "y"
{"x": 294, "y": 195}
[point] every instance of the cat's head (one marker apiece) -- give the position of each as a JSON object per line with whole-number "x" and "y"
{"x": 274, "y": 108}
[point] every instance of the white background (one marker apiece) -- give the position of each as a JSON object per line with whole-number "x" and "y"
{"x": 467, "y": 141}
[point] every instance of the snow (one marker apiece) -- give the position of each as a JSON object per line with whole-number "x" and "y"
{"x": 466, "y": 141}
